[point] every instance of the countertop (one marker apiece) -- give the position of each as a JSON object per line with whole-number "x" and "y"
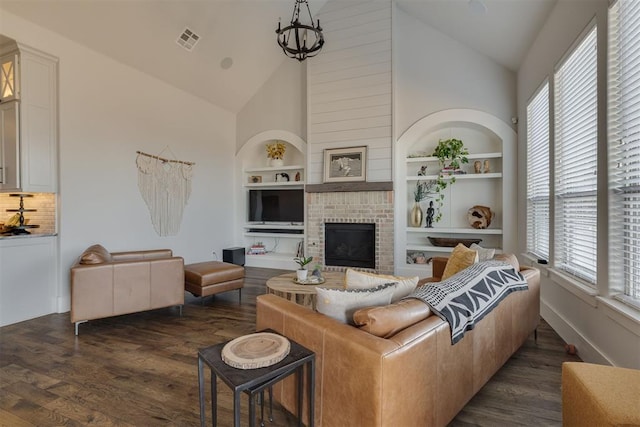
{"x": 24, "y": 236}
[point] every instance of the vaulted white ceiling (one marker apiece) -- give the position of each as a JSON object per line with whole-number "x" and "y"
{"x": 143, "y": 35}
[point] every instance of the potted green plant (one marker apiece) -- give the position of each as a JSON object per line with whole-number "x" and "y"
{"x": 451, "y": 153}
{"x": 302, "y": 271}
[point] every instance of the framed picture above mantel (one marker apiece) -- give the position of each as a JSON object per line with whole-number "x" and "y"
{"x": 345, "y": 164}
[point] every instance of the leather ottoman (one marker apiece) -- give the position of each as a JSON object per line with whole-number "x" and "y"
{"x": 212, "y": 277}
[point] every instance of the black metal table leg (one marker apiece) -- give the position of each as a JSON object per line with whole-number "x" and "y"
{"x": 311, "y": 379}
{"x": 300, "y": 376}
{"x": 252, "y": 410}
{"x": 214, "y": 400}
{"x": 236, "y": 408}
{"x": 270, "y": 403}
{"x": 201, "y": 391}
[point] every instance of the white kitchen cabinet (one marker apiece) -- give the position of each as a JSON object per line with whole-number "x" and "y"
{"x": 9, "y": 77}
{"x": 9, "y": 151}
{"x": 36, "y": 135}
{"x": 28, "y": 278}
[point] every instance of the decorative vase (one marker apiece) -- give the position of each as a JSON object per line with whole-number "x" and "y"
{"x": 277, "y": 163}
{"x": 302, "y": 275}
{"x": 415, "y": 218}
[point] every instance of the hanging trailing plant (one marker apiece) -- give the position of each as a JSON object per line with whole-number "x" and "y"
{"x": 451, "y": 153}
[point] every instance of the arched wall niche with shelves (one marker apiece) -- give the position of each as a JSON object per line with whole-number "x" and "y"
{"x": 254, "y": 171}
{"x": 488, "y": 139}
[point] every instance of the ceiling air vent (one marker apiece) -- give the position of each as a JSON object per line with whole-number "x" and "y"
{"x": 188, "y": 39}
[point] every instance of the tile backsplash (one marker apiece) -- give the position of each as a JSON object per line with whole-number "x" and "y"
{"x": 45, "y": 205}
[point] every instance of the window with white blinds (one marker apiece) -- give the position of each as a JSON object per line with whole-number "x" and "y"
{"x": 624, "y": 146}
{"x": 538, "y": 174}
{"x": 576, "y": 161}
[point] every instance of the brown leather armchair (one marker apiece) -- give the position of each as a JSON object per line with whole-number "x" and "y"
{"x": 107, "y": 284}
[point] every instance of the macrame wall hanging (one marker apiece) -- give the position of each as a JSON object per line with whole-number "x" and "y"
{"x": 165, "y": 185}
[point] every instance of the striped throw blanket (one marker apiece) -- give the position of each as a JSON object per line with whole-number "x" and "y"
{"x": 465, "y": 298}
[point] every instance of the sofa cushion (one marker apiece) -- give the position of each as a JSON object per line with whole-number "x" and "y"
{"x": 361, "y": 280}
{"x": 95, "y": 254}
{"x": 510, "y": 258}
{"x": 386, "y": 321}
{"x": 340, "y": 304}
{"x": 484, "y": 254}
{"x": 461, "y": 258}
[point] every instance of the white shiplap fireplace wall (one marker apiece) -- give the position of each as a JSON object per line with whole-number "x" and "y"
{"x": 349, "y": 98}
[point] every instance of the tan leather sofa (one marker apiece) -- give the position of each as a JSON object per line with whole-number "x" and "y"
{"x": 412, "y": 378}
{"x": 107, "y": 284}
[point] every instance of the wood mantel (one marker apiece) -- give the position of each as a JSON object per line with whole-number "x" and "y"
{"x": 337, "y": 187}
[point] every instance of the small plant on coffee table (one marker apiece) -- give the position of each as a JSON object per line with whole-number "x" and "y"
{"x": 302, "y": 262}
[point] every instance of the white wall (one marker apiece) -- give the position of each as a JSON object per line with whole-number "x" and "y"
{"x": 107, "y": 111}
{"x": 433, "y": 72}
{"x": 349, "y": 87}
{"x": 602, "y": 329}
{"x": 279, "y": 104}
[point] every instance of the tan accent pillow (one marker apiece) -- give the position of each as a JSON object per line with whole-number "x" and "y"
{"x": 95, "y": 254}
{"x": 510, "y": 258}
{"x": 461, "y": 258}
{"x": 388, "y": 320}
{"x": 354, "y": 279}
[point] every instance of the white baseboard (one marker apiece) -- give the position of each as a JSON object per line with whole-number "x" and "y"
{"x": 586, "y": 350}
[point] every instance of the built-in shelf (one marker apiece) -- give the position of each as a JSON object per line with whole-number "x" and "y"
{"x": 282, "y": 239}
{"x": 431, "y": 248}
{"x": 491, "y": 145}
{"x": 457, "y": 177}
{"x": 436, "y": 230}
{"x": 274, "y": 168}
{"x": 475, "y": 156}
{"x": 276, "y": 184}
{"x": 276, "y": 225}
{"x": 274, "y": 235}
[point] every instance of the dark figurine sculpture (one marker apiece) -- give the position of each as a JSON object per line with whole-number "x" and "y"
{"x": 430, "y": 212}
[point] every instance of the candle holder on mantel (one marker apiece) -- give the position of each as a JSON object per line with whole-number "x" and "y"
{"x": 22, "y": 227}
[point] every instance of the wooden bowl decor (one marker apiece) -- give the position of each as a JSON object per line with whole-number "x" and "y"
{"x": 479, "y": 217}
{"x": 255, "y": 350}
{"x": 452, "y": 242}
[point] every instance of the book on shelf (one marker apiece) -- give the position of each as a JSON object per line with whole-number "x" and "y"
{"x": 451, "y": 171}
{"x": 257, "y": 249}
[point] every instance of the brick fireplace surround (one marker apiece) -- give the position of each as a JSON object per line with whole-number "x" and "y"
{"x": 352, "y": 207}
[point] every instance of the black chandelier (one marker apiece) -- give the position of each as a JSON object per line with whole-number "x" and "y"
{"x": 298, "y": 40}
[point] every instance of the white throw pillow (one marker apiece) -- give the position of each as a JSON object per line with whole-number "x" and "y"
{"x": 484, "y": 254}
{"x": 342, "y": 303}
{"x": 361, "y": 280}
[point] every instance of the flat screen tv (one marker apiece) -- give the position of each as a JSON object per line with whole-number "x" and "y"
{"x": 276, "y": 205}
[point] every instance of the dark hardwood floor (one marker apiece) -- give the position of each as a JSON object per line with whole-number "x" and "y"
{"x": 140, "y": 369}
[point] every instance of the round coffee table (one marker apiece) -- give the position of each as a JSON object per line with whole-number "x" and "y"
{"x": 304, "y": 295}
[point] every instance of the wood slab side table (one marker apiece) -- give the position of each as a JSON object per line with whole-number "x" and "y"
{"x": 254, "y": 381}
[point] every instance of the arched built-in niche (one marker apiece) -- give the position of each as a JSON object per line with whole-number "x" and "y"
{"x": 487, "y": 138}
{"x": 251, "y": 161}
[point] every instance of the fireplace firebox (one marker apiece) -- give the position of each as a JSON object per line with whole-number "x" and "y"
{"x": 350, "y": 245}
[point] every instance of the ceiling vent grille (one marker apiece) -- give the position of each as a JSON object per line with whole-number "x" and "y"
{"x": 188, "y": 39}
